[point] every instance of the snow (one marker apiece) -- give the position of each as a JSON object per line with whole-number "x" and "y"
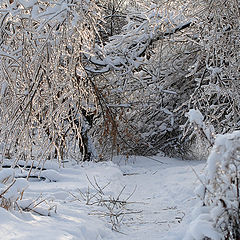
{"x": 7, "y": 175}
{"x": 201, "y": 228}
{"x": 195, "y": 116}
{"x": 27, "y": 4}
{"x": 51, "y": 175}
{"x": 17, "y": 188}
{"x": 159, "y": 193}
{"x": 3, "y": 89}
{"x": 164, "y": 195}
{"x": 225, "y": 145}
{"x": 219, "y": 192}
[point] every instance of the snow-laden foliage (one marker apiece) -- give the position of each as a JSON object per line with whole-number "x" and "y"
{"x": 136, "y": 83}
{"x": 167, "y": 60}
{"x": 200, "y": 64}
{"x": 218, "y": 216}
{"x": 116, "y": 76}
{"x": 215, "y": 71}
{"x": 46, "y": 96}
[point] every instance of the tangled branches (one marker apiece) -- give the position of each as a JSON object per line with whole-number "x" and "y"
{"x": 47, "y": 100}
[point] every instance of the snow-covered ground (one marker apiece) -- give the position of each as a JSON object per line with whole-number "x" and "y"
{"x": 151, "y": 198}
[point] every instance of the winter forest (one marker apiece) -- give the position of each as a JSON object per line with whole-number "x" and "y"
{"x": 120, "y": 119}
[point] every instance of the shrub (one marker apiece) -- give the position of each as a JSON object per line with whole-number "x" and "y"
{"x": 219, "y": 192}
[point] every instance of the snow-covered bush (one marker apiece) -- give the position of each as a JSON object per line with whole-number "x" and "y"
{"x": 218, "y": 217}
{"x": 138, "y": 75}
{"x": 11, "y": 189}
{"x": 214, "y": 73}
{"x": 167, "y": 60}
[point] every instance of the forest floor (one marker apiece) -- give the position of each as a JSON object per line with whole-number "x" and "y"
{"x": 140, "y": 198}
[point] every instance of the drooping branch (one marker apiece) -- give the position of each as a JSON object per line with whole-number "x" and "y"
{"x": 129, "y": 57}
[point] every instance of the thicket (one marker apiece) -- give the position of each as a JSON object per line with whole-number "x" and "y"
{"x": 85, "y": 79}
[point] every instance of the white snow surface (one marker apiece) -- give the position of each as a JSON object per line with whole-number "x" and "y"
{"x": 160, "y": 206}
{"x": 195, "y": 116}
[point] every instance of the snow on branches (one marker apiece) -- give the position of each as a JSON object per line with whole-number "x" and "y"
{"x": 218, "y": 216}
{"x": 45, "y": 94}
{"x": 63, "y": 80}
{"x": 127, "y": 51}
